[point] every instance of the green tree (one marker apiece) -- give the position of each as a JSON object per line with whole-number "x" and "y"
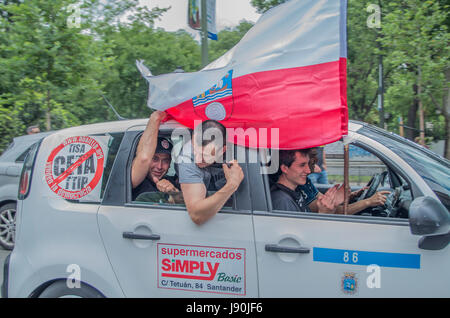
{"x": 162, "y": 52}
{"x": 264, "y": 5}
{"x": 227, "y": 39}
{"x": 416, "y": 35}
{"x": 362, "y": 67}
{"x": 54, "y": 73}
{"x": 48, "y": 63}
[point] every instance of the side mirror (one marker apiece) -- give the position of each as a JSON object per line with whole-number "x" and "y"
{"x": 428, "y": 217}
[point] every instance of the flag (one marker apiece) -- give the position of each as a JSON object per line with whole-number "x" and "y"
{"x": 286, "y": 76}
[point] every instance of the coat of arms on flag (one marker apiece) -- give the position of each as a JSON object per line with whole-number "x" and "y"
{"x": 217, "y": 102}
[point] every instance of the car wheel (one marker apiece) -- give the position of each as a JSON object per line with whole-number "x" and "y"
{"x": 59, "y": 289}
{"x": 8, "y": 225}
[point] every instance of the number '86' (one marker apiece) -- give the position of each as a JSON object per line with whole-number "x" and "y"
{"x": 354, "y": 257}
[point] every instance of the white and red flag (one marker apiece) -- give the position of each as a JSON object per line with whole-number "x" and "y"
{"x": 287, "y": 73}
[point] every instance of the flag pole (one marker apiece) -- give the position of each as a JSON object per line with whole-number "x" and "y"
{"x": 204, "y": 33}
{"x": 346, "y": 178}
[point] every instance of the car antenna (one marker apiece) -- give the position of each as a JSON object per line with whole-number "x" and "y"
{"x": 114, "y": 110}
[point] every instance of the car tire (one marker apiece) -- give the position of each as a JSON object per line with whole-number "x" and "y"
{"x": 8, "y": 225}
{"x": 59, "y": 289}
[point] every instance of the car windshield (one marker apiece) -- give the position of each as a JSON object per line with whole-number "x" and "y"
{"x": 434, "y": 169}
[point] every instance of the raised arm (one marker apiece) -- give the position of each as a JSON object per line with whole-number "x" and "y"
{"x": 146, "y": 149}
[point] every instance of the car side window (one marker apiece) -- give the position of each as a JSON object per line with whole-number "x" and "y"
{"x": 363, "y": 165}
{"x": 114, "y": 144}
{"x": 386, "y": 194}
{"x": 381, "y": 179}
{"x": 148, "y": 193}
{"x": 283, "y": 198}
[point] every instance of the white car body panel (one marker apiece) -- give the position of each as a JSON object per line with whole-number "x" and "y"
{"x": 299, "y": 275}
{"x": 63, "y": 234}
{"x": 139, "y": 277}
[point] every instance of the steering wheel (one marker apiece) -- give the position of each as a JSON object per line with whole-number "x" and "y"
{"x": 373, "y": 185}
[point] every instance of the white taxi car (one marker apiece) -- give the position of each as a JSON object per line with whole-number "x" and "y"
{"x": 80, "y": 234}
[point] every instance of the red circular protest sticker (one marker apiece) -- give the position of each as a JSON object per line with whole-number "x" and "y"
{"x": 75, "y": 167}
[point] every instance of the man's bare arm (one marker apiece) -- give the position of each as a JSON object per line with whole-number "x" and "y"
{"x": 377, "y": 199}
{"x": 200, "y": 208}
{"x": 146, "y": 149}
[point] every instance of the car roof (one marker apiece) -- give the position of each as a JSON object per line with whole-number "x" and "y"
{"x": 32, "y": 138}
{"x": 138, "y": 124}
{"x": 21, "y": 143}
{"x": 115, "y": 126}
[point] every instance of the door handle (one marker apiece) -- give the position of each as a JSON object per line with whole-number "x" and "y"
{"x": 135, "y": 236}
{"x": 286, "y": 249}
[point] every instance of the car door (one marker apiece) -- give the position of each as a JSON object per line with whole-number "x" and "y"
{"x": 157, "y": 251}
{"x": 327, "y": 255}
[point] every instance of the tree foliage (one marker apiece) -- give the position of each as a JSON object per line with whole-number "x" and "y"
{"x": 54, "y": 74}
{"x": 47, "y": 66}
{"x": 264, "y": 5}
{"x": 416, "y": 37}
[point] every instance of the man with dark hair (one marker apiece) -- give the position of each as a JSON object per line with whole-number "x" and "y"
{"x": 152, "y": 161}
{"x": 295, "y": 166}
{"x": 294, "y": 191}
{"x": 200, "y": 171}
